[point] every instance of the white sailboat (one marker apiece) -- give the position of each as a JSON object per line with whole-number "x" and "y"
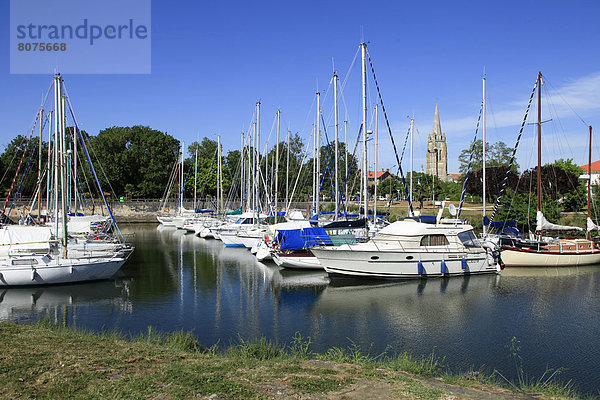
{"x": 42, "y": 255}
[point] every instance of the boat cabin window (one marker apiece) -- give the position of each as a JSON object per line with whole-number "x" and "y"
{"x": 434, "y": 240}
{"x": 468, "y": 239}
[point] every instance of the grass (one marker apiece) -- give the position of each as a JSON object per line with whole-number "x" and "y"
{"x": 47, "y": 361}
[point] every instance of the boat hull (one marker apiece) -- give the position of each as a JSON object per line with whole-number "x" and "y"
{"x": 302, "y": 260}
{"x": 532, "y": 258}
{"x": 48, "y": 271}
{"x": 404, "y": 264}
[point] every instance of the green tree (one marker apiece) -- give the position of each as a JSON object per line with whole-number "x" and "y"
{"x": 497, "y": 154}
{"x": 135, "y": 160}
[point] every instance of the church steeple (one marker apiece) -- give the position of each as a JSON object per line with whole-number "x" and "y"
{"x": 437, "y": 155}
{"x": 437, "y": 126}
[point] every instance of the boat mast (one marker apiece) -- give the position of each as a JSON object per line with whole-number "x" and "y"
{"x": 48, "y": 167}
{"x": 335, "y": 112}
{"x": 589, "y": 194}
{"x": 195, "y": 176}
{"x": 56, "y": 146}
{"x": 181, "y": 180}
{"x": 257, "y": 177}
{"x": 277, "y": 164}
{"x": 220, "y": 174}
{"x": 62, "y": 155}
{"x": 412, "y": 122}
{"x": 539, "y": 131}
{"x": 483, "y": 122}
{"x": 314, "y": 168}
{"x": 41, "y": 120}
{"x": 363, "y": 47}
{"x": 345, "y": 155}
{"x": 287, "y": 174}
{"x": 318, "y": 150}
{"x": 375, "y": 177}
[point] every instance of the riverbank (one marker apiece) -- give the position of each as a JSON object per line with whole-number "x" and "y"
{"x": 47, "y": 361}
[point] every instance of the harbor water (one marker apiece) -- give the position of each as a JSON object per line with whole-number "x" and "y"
{"x": 534, "y": 318}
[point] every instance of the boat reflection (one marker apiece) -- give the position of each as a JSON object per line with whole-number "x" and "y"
{"x": 31, "y": 303}
{"x": 549, "y": 271}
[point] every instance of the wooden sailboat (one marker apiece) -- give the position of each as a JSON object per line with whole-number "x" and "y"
{"x": 551, "y": 252}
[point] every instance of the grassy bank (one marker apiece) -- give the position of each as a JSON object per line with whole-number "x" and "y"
{"x": 47, "y": 361}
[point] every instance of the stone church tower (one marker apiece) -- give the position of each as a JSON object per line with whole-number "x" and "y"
{"x": 437, "y": 153}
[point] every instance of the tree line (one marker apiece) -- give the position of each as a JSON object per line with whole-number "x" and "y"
{"x": 137, "y": 161}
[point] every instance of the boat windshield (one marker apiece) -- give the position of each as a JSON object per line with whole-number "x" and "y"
{"x": 469, "y": 239}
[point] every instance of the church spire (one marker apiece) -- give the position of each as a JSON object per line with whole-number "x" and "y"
{"x": 437, "y": 126}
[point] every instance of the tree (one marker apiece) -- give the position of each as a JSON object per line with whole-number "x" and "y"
{"x": 497, "y": 154}
{"x": 26, "y": 180}
{"x": 135, "y": 160}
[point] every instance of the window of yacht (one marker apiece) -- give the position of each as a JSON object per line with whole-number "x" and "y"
{"x": 434, "y": 240}
{"x": 468, "y": 239}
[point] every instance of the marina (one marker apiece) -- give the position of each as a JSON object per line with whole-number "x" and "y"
{"x": 175, "y": 281}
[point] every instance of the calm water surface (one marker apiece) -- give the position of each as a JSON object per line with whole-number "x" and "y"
{"x": 178, "y": 281}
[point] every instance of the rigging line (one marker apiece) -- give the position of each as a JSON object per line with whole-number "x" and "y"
{"x": 512, "y": 158}
{"x": 464, "y": 189}
{"x": 91, "y": 149}
{"x": 19, "y": 166}
{"x": 329, "y": 162}
{"x": 21, "y": 182}
{"x": 563, "y": 99}
{"x": 405, "y": 142}
{"x": 387, "y": 122}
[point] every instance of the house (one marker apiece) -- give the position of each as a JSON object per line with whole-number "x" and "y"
{"x": 595, "y": 172}
{"x": 455, "y": 177}
{"x": 381, "y": 176}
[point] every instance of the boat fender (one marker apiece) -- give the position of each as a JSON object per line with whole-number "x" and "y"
{"x": 71, "y": 269}
{"x": 420, "y": 268}
{"x": 464, "y": 264}
{"x": 444, "y": 267}
{"x": 33, "y": 274}
{"x": 266, "y": 238}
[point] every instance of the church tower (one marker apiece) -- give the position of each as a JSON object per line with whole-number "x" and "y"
{"x": 437, "y": 153}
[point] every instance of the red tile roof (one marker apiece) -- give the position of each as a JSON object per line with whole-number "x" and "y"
{"x": 371, "y": 174}
{"x": 595, "y": 167}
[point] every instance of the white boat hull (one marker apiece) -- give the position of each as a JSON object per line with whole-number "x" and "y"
{"x": 533, "y": 258}
{"x": 404, "y": 264}
{"x": 48, "y": 271}
{"x": 297, "y": 262}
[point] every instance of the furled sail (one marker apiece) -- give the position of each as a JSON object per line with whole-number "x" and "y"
{"x": 591, "y": 226}
{"x": 542, "y": 224}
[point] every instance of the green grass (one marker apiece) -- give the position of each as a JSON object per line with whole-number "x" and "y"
{"x": 47, "y": 361}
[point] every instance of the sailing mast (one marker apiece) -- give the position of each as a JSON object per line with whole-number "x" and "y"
{"x": 62, "y": 156}
{"x": 257, "y": 150}
{"x": 589, "y": 194}
{"x": 410, "y": 195}
{"x": 539, "y": 131}
{"x": 336, "y": 186}
{"x": 318, "y": 150}
{"x": 195, "y": 176}
{"x": 287, "y": 173}
{"x": 483, "y": 122}
{"x": 375, "y": 177}
{"x": 363, "y": 47}
{"x": 277, "y": 164}
{"x": 41, "y": 120}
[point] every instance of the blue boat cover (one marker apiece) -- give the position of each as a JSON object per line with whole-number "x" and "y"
{"x": 499, "y": 224}
{"x": 314, "y": 236}
{"x": 290, "y": 239}
{"x": 294, "y": 239}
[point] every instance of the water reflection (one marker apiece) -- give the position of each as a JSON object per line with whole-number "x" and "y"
{"x": 63, "y": 303}
{"x": 179, "y": 281}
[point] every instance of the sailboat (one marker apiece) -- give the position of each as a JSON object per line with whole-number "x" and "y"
{"x": 545, "y": 251}
{"x": 45, "y": 254}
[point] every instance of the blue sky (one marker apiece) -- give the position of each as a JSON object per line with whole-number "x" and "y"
{"x": 211, "y": 62}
